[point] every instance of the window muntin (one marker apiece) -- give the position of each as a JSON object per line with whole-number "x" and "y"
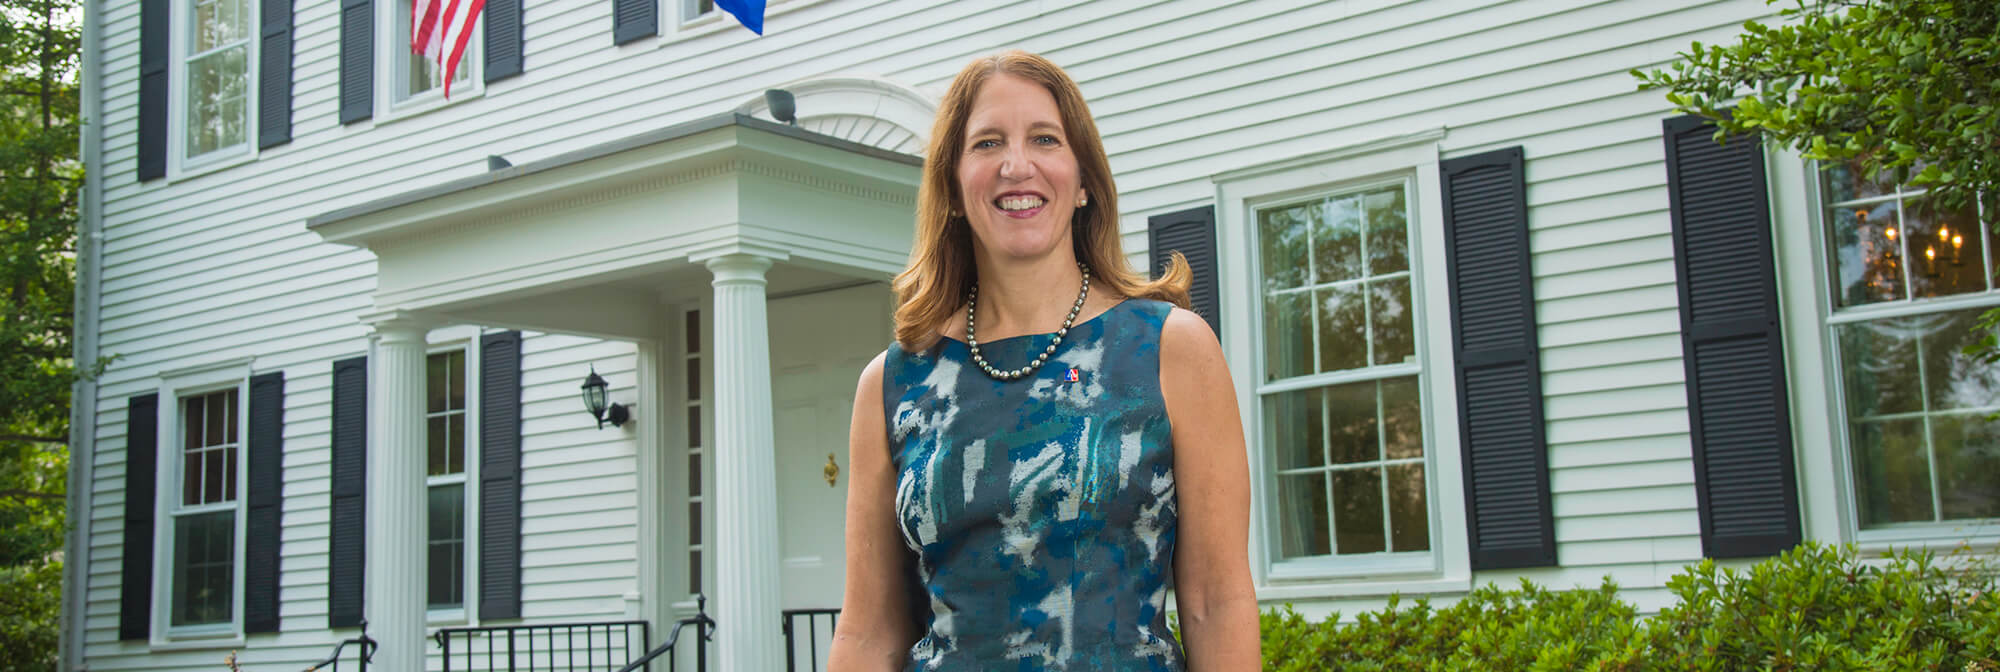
{"x": 1909, "y": 280}
{"x": 444, "y": 416}
{"x": 217, "y": 76}
{"x": 1342, "y": 411}
{"x": 204, "y": 515}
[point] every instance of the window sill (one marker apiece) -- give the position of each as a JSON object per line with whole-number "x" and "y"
{"x": 1370, "y": 586}
{"x": 1358, "y": 577}
{"x": 225, "y": 637}
{"x": 1939, "y": 537}
{"x": 426, "y": 103}
{"x": 446, "y": 617}
{"x": 216, "y": 164}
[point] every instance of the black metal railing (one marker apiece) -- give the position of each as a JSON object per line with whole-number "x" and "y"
{"x": 365, "y": 651}
{"x": 704, "y": 629}
{"x": 811, "y": 643}
{"x": 544, "y": 647}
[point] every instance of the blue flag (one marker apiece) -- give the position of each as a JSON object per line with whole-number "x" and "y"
{"x": 750, "y": 13}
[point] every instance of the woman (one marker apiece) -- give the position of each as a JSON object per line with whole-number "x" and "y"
{"x": 1020, "y": 496}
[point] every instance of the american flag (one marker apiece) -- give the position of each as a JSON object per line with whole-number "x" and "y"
{"x": 439, "y": 30}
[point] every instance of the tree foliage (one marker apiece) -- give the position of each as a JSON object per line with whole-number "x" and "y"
{"x": 40, "y": 176}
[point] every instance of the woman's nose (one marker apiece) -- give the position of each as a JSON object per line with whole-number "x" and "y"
{"x": 1014, "y": 165}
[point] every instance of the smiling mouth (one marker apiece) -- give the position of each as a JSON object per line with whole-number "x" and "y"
{"x": 1023, "y": 203}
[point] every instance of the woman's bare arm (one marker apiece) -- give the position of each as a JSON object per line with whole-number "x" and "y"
{"x": 875, "y": 631}
{"x": 1212, "y": 589}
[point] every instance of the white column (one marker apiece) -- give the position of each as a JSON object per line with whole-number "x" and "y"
{"x": 746, "y": 606}
{"x": 396, "y": 448}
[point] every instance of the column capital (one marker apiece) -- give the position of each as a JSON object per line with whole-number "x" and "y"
{"x": 738, "y": 269}
{"x": 399, "y": 326}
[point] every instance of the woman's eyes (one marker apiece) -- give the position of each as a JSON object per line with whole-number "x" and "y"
{"x": 1044, "y": 140}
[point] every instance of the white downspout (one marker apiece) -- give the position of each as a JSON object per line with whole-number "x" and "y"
{"x": 83, "y": 343}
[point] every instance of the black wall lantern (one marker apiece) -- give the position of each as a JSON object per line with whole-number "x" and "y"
{"x": 595, "y": 398}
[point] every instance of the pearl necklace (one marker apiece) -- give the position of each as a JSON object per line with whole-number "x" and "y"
{"x": 972, "y": 340}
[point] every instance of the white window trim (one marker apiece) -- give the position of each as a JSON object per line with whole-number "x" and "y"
{"x": 1827, "y": 503}
{"x": 200, "y": 379}
{"x": 677, "y": 24}
{"x": 467, "y": 614}
{"x": 1412, "y": 157}
{"x": 179, "y": 165}
{"x": 392, "y": 47}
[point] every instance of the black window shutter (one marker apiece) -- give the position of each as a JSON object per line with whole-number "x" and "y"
{"x": 135, "y": 591}
{"x": 500, "y": 475}
{"x": 634, "y": 19}
{"x": 274, "y": 74}
{"x": 1498, "y": 361}
{"x": 267, "y": 495}
{"x": 154, "y": 31}
{"x": 1730, "y": 342}
{"x": 503, "y": 39}
{"x": 1192, "y": 233}
{"x": 357, "y": 60}
{"x": 348, "y": 536}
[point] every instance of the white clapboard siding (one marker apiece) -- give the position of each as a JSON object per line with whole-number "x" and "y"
{"x": 212, "y": 266}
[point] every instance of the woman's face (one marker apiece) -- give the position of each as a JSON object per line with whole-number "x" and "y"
{"x": 1016, "y": 171}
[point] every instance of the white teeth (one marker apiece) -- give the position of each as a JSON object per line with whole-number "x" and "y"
{"x": 1020, "y": 202}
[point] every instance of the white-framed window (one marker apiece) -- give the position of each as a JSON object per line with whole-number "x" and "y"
{"x": 696, "y": 450}
{"x": 1329, "y": 312}
{"x": 1907, "y": 279}
{"x": 198, "y": 558}
{"x": 450, "y": 479}
{"x": 690, "y": 10}
{"x": 213, "y": 82}
{"x": 413, "y": 82}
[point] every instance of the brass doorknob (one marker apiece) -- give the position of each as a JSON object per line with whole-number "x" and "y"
{"x": 832, "y": 471}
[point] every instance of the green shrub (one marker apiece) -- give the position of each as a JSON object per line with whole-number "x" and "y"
{"x": 1812, "y": 608}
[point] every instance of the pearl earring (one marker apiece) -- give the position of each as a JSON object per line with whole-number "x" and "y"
{"x": 1082, "y": 201}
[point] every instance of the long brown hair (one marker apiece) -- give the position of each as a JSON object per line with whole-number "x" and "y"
{"x": 941, "y": 269}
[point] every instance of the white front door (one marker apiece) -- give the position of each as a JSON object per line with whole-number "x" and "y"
{"x": 819, "y": 344}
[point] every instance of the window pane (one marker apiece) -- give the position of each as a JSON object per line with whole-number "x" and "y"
{"x": 694, "y": 571}
{"x": 1409, "y": 516}
{"x": 191, "y": 422}
{"x": 1292, "y": 426}
{"x": 204, "y": 560}
{"x": 229, "y": 419}
{"x": 1357, "y": 511}
{"x": 1891, "y": 472}
{"x": 218, "y": 22}
{"x": 446, "y": 559}
{"x": 437, "y": 385}
{"x": 212, "y": 476}
{"x": 1282, "y": 234}
{"x": 1390, "y": 318}
{"x": 1402, "y": 418}
{"x": 455, "y": 446}
{"x": 1846, "y": 183}
{"x": 694, "y": 474}
{"x": 436, "y": 446}
{"x": 694, "y": 381}
{"x": 1944, "y": 249}
{"x": 217, "y": 110}
{"x": 191, "y": 479}
{"x": 1287, "y": 335}
{"x": 229, "y": 474}
{"x": 1955, "y": 380}
{"x": 1879, "y": 367}
{"x": 1866, "y": 253}
{"x": 1337, "y": 241}
{"x": 1388, "y": 231}
{"x": 694, "y": 426}
{"x": 1302, "y": 507}
{"x": 1351, "y": 430}
{"x": 456, "y": 362}
{"x": 694, "y": 522}
{"x": 694, "y": 332}
{"x": 1343, "y": 328}
{"x": 217, "y": 419}
{"x": 1968, "y": 465}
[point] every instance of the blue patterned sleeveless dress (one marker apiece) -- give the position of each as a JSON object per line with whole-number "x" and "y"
{"x": 1041, "y": 511}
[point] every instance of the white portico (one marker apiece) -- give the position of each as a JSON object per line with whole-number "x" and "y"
{"x": 599, "y": 242}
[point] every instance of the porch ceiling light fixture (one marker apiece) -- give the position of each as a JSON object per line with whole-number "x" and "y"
{"x": 594, "y": 397}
